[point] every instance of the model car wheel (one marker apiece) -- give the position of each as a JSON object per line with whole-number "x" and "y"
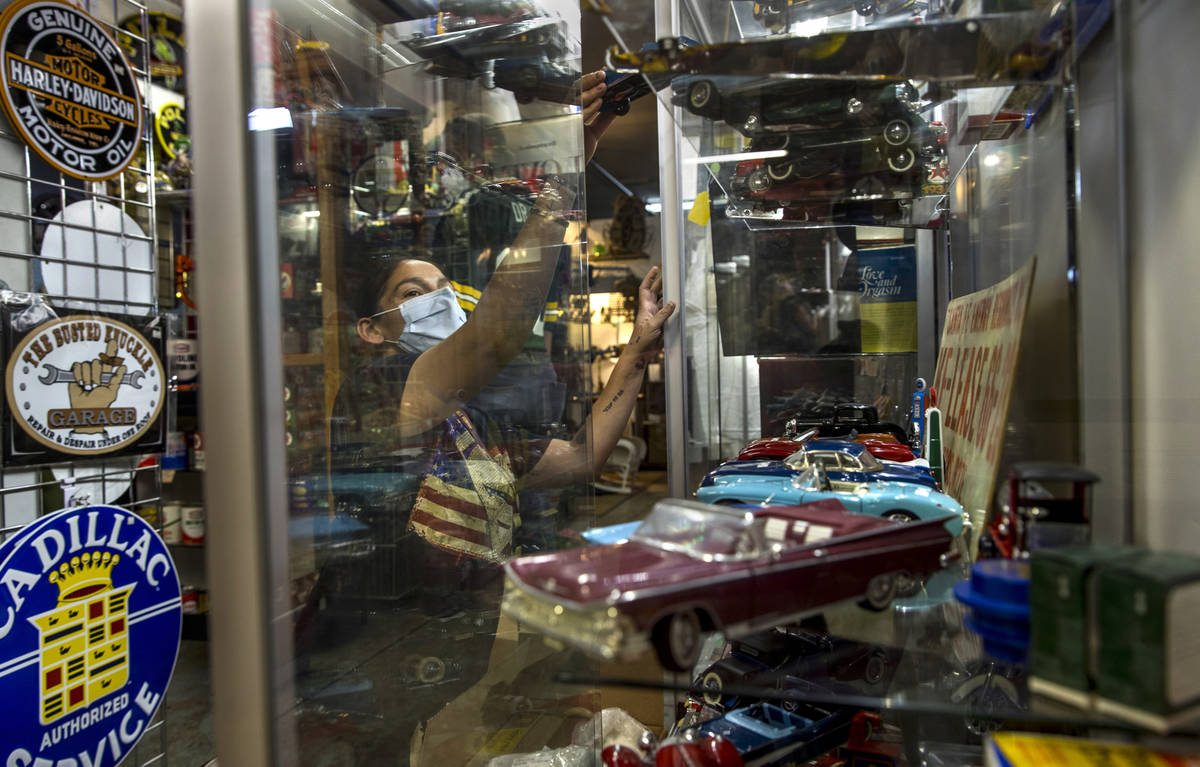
{"x": 896, "y": 132}
{"x": 880, "y": 591}
{"x": 431, "y": 670}
{"x": 908, "y": 585}
{"x": 701, "y": 94}
{"x": 677, "y": 639}
{"x": 759, "y": 180}
{"x": 528, "y": 77}
{"x": 779, "y": 170}
{"x": 902, "y": 160}
{"x": 865, "y": 7}
{"x": 900, "y": 515}
{"x": 875, "y": 669}
{"x": 621, "y": 108}
{"x": 712, "y": 685}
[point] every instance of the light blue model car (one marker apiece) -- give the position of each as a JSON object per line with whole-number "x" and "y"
{"x": 899, "y": 501}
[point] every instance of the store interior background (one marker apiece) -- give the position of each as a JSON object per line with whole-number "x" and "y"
{"x": 1107, "y": 368}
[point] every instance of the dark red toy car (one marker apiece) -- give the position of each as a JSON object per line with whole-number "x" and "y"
{"x": 693, "y": 567}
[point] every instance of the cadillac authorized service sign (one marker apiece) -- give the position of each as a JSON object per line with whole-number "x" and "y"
{"x": 84, "y": 385}
{"x": 69, "y": 89}
{"x": 90, "y": 620}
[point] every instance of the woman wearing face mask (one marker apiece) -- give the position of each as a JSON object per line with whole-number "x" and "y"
{"x": 422, "y": 414}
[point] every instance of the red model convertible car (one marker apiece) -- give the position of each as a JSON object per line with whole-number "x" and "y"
{"x": 882, "y": 446}
{"x": 693, "y": 567}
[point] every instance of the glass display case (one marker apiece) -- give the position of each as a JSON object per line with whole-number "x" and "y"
{"x": 871, "y": 405}
{"x": 869, "y": 212}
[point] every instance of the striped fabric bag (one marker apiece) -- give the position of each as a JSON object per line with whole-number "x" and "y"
{"x": 467, "y": 504}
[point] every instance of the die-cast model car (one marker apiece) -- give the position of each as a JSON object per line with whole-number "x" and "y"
{"x": 693, "y": 567}
{"x": 778, "y": 107}
{"x": 846, "y": 464}
{"x": 898, "y": 501}
{"x": 774, "y": 14}
{"x": 763, "y": 660}
{"x": 766, "y": 734}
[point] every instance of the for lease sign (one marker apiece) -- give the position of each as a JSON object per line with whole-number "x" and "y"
{"x": 973, "y": 381}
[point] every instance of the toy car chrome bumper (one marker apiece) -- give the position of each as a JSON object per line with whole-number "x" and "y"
{"x": 600, "y": 631}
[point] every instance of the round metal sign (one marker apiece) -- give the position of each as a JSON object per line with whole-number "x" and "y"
{"x": 89, "y": 635}
{"x": 171, "y": 128}
{"x": 84, "y": 385}
{"x": 68, "y": 89}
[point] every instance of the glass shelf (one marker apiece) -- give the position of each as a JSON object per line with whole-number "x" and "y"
{"x": 916, "y": 659}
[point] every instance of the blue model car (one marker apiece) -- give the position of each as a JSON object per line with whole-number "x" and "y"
{"x": 765, "y": 734}
{"x": 750, "y": 482}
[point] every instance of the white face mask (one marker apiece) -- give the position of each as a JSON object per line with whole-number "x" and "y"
{"x": 428, "y": 319}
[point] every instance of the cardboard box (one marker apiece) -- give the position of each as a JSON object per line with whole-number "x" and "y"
{"x": 1063, "y": 618}
{"x": 1148, "y": 668}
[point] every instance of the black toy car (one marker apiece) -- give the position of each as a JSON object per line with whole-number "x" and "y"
{"x": 773, "y": 660}
{"x": 469, "y": 51}
{"x": 536, "y": 77}
{"x": 778, "y": 112}
{"x": 625, "y": 87}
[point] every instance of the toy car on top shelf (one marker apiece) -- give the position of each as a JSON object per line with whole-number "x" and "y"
{"x": 468, "y": 51}
{"x": 763, "y": 106}
{"x": 897, "y": 501}
{"x": 982, "y": 51}
{"x": 623, "y": 88}
{"x": 775, "y": 15}
{"x": 692, "y": 567}
{"x": 535, "y": 77}
{"x": 458, "y": 14}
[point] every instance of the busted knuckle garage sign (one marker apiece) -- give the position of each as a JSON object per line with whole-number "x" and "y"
{"x": 90, "y": 620}
{"x": 84, "y": 385}
{"x": 68, "y": 89}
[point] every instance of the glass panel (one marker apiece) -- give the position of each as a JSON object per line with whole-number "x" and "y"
{"x": 425, "y": 166}
{"x": 867, "y": 188}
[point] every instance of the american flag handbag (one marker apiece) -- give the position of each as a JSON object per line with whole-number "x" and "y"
{"x": 467, "y": 503}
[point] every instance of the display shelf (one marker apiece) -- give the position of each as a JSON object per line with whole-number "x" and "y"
{"x": 918, "y": 659}
{"x": 174, "y": 197}
{"x": 978, "y": 52}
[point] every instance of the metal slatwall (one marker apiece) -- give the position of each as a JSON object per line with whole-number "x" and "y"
{"x": 28, "y": 493}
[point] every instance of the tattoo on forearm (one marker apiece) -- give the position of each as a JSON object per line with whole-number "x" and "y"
{"x": 639, "y": 365}
{"x": 616, "y": 397}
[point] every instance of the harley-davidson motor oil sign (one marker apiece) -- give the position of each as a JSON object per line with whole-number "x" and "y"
{"x": 90, "y": 619}
{"x": 82, "y": 385}
{"x": 68, "y": 89}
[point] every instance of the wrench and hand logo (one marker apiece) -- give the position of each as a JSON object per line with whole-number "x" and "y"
{"x": 93, "y": 384}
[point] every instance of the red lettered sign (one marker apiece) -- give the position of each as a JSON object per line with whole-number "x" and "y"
{"x": 973, "y": 381}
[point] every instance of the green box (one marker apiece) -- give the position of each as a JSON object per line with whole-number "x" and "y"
{"x": 1063, "y": 618}
{"x": 1149, "y": 643}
